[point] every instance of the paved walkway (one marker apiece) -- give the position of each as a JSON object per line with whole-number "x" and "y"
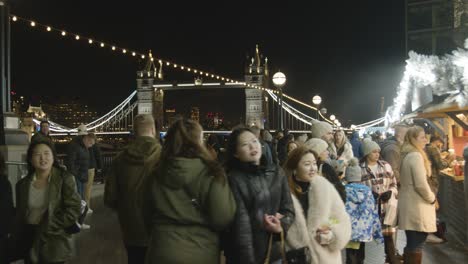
{"x": 102, "y": 244}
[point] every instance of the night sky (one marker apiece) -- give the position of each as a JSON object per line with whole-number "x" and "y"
{"x": 350, "y": 52}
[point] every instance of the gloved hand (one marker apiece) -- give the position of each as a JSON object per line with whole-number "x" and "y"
{"x": 386, "y": 196}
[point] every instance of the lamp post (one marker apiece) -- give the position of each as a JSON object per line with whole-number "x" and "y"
{"x": 279, "y": 79}
{"x": 317, "y": 100}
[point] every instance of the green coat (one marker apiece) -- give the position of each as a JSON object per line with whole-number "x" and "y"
{"x": 124, "y": 182}
{"x": 51, "y": 242}
{"x": 188, "y": 208}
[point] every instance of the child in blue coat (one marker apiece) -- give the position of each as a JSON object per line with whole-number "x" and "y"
{"x": 360, "y": 205}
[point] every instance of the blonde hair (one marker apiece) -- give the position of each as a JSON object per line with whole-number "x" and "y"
{"x": 143, "y": 123}
{"x": 410, "y": 143}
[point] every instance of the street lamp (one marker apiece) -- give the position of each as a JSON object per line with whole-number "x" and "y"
{"x": 332, "y": 117}
{"x": 279, "y": 79}
{"x": 317, "y": 100}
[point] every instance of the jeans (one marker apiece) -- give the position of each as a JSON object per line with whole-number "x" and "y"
{"x": 136, "y": 254}
{"x": 415, "y": 240}
{"x": 80, "y": 188}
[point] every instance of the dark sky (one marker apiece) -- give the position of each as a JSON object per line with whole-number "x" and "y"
{"x": 349, "y": 52}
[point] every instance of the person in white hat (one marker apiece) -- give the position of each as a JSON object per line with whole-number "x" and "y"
{"x": 378, "y": 175}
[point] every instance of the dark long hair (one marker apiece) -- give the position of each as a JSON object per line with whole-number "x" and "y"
{"x": 231, "y": 161}
{"x": 291, "y": 164}
{"x": 31, "y": 148}
{"x": 183, "y": 140}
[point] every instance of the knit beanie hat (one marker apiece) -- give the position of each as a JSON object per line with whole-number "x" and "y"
{"x": 320, "y": 128}
{"x": 316, "y": 144}
{"x": 368, "y": 146}
{"x": 353, "y": 171}
{"x": 82, "y": 130}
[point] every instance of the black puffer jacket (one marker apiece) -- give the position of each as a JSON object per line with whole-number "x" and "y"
{"x": 78, "y": 159}
{"x": 258, "y": 191}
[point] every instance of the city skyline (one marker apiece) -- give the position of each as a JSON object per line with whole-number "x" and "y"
{"x": 343, "y": 56}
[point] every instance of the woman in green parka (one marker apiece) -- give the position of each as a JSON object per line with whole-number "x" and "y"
{"x": 47, "y": 203}
{"x": 190, "y": 202}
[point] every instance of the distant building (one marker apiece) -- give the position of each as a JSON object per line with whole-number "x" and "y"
{"x": 36, "y": 112}
{"x": 213, "y": 120}
{"x": 70, "y": 114}
{"x": 436, "y": 27}
{"x": 170, "y": 117}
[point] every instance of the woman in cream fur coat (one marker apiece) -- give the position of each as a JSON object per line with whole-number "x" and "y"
{"x": 321, "y": 223}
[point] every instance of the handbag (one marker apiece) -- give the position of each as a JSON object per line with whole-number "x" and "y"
{"x": 298, "y": 256}
{"x": 283, "y": 254}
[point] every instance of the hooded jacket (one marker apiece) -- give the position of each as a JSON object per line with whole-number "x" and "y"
{"x": 356, "y": 144}
{"x": 187, "y": 208}
{"x": 360, "y": 205}
{"x": 390, "y": 152}
{"x": 124, "y": 185}
{"x": 50, "y": 242}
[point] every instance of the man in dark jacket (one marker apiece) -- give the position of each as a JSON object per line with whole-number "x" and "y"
{"x": 390, "y": 149}
{"x": 124, "y": 184}
{"x": 78, "y": 158}
{"x": 357, "y": 145}
{"x": 43, "y": 134}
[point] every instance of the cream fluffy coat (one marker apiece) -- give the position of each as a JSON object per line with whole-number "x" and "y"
{"x": 325, "y": 204}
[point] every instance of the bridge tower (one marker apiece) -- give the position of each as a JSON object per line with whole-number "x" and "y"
{"x": 256, "y": 73}
{"x": 150, "y": 100}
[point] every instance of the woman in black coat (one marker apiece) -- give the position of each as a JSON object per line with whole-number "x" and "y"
{"x": 6, "y": 207}
{"x": 264, "y": 205}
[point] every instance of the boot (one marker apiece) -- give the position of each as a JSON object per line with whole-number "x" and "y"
{"x": 390, "y": 251}
{"x": 412, "y": 257}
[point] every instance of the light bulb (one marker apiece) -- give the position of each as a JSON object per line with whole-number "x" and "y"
{"x": 14, "y": 18}
{"x": 64, "y": 33}
{"x": 49, "y": 28}
{"x": 33, "y": 24}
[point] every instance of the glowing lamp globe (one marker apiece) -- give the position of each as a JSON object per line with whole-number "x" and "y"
{"x": 279, "y": 79}
{"x": 316, "y": 100}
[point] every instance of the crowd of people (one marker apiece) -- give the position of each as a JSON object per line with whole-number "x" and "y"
{"x": 307, "y": 198}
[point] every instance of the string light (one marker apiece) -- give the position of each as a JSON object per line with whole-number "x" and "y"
{"x": 168, "y": 63}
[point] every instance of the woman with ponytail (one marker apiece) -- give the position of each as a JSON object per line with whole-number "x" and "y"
{"x": 417, "y": 202}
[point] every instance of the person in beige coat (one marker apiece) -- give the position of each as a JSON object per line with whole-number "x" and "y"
{"x": 322, "y": 223}
{"x": 416, "y": 203}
